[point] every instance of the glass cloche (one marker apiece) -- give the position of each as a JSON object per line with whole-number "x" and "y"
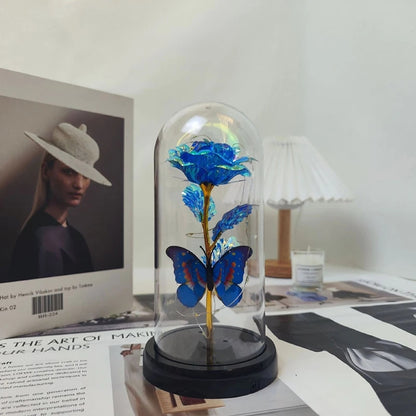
{"x": 209, "y": 268}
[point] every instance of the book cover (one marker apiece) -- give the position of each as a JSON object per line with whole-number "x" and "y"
{"x": 65, "y": 203}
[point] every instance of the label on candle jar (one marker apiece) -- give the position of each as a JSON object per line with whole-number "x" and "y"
{"x": 310, "y": 276}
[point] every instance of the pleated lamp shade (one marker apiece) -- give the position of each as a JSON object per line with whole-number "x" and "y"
{"x": 295, "y": 172}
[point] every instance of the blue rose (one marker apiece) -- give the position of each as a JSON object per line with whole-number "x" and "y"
{"x": 206, "y": 162}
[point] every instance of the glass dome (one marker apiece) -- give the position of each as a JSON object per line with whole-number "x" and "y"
{"x": 209, "y": 266}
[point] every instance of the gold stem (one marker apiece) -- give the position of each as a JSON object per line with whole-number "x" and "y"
{"x": 209, "y": 313}
{"x": 216, "y": 240}
{"x": 206, "y": 190}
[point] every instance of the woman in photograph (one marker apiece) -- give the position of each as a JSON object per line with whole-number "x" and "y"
{"x": 48, "y": 245}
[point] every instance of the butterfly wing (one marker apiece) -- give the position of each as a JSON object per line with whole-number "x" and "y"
{"x": 228, "y": 273}
{"x": 190, "y": 273}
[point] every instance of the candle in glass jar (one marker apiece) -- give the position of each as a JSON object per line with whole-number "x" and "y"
{"x": 307, "y": 268}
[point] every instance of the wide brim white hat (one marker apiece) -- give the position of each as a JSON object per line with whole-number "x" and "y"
{"x": 75, "y": 148}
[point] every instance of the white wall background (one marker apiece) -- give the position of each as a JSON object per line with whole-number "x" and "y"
{"x": 359, "y": 105}
{"x": 339, "y": 72}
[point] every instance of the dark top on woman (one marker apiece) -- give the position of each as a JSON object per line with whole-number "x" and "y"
{"x": 45, "y": 248}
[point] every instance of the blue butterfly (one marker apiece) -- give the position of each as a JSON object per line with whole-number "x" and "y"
{"x": 194, "y": 277}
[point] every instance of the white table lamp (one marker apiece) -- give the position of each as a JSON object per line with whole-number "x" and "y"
{"x": 295, "y": 172}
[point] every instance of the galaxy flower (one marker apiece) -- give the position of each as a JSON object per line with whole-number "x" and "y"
{"x": 221, "y": 272}
{"x": 206, "y": 162}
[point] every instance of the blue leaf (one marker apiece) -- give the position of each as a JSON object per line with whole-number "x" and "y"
{"x": 231, "y": 218}
{"x": 193, "y": 198}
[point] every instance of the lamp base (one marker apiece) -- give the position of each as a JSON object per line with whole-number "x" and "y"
{"x": 276, "y": 269}
{"x": 209, "y": 381}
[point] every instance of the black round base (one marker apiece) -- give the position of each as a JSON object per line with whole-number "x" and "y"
{"x": 213, "y": 381}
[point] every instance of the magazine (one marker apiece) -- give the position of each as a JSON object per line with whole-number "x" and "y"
{"x": 354, "y": 362}
{"x": 100, "y": 373}
{"x": 65, "y": 216}
{"x": 95, "y": 366}
{"x": 347, "y": 293}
